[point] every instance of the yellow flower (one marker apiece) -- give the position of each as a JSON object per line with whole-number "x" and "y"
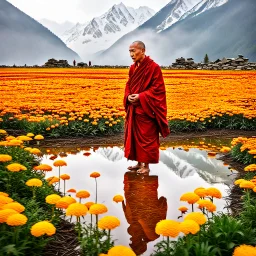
{"x": 30, "y": 134}
{"x": 43, "y": 228}
{"x": 34, "y": 183}
{"x": 3, "y": 131}
{"x": 201, "y": 192}
{"x": 213, "y": 192}
{"x": 118, "y": 198}
{"x": 89, "y": 204}
{"x": 4, "y": 214}
{"x": 108, "y": 222}
{"x": 206, "y": 204}
{"x": 43, "y": 167}
{"x": 4, "y": 194}
{"x": 244, "y": 250}
{"x": 197, "y": 217}
{"x": 15, "y": 206}
{"x": 16, "y": 220}
{"x": 24, "y": 138}
{"x": 65, "y": 201}
{"x": 237, "y": 182}
{"x": 95, "y": 175}
{"x": 168, "y": 228}
{"x": 183, "y": 209}
{"x": 190, "y": 197}
{"x": 5, "y": 158}
{"x": 15, "y": 167}
{"x": 35, "y": 151}
{"x": 98, "y": 209}
{"x": 189, "y": 227}
{"x": 5, "y": 200}
{"x": 247, "y": 184}
{"x": 225, "y": 149}
{"x": 250, "y": 168}
{"x": 58, "y": 163}
{"x": 82, "y": 194}
{"x": 52, "y": 199}
{"x": 52, "y": 180}
{"x": 65, "y": 177}
{"x": 120, "y": 250}
{"x": 76, "y": 209}
{"x": 39, "y": 137}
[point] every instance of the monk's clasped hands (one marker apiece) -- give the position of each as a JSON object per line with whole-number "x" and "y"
{"x": 133, "y": 98}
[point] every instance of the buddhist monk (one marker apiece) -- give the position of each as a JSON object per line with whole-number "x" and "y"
{"x": 145, "y": 106}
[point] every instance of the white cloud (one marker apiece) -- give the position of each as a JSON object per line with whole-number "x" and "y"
{"x": 77, "y": 10}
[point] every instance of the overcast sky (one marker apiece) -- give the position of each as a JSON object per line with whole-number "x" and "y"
{"x": 77, "y": 10}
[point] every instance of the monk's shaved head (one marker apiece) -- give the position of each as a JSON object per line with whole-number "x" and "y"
{"x": 137, "y": 51}
{"x": 140, "y": 44}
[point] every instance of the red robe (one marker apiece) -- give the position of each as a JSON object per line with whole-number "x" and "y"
{"x": 146, "y": 118}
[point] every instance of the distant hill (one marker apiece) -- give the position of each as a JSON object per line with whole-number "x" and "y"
{"x": 225, "y": 30}
{"x": 26, "y": 41}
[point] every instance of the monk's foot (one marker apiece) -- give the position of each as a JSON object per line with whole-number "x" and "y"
{"x": 143, "y": 170}
{"x": 135, "y": 167}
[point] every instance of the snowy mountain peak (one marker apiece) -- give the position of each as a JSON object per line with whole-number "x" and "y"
{"x": 180, "y": 9}
{"x": 101, "y": 32}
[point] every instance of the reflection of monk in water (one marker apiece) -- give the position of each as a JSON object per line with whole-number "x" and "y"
{"x": 143, "y": 209}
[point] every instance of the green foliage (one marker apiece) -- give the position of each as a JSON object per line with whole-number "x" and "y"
{"x": 80, "y": 128}
{"x": 243, "y": 157}
{"x": 94, "y": 241}
{"x": 18, "y": 240}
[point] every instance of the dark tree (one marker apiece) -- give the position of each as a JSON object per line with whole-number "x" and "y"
{"x": 206, "y": 59}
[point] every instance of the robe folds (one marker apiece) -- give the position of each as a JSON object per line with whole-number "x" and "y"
{"x": 146, "y": 118}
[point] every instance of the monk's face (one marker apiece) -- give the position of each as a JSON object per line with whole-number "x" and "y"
{"x": 136, "y": 52}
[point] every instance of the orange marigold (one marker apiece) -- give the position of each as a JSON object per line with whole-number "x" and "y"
{"x": 43, "y": 167}
{"x": 120, "y": 250}
{"x": 108, "y": 222}
{"x": 5, "y": 158}
{"x": 82, "y": 194}
{"x": 189, "y": 227}
{"x": 168, "y": 228}
{"x": 190, "y": 197}
{"x": 15, "y": 167}
{"x": 58, "y": 163}
{"x": 95, "y": 175}
{"x": 16, "y": 220}
{"x": 43, "y": 228}
{"x": 244, "y": 250}
{"x": 118, "y": 198}
{"x": 52, "y": 199}
{"x": 15, "y": 206}
{"x": 213, "y": 192}
{"x": 4, "y": 214}
{"x": 197, "y": 217}
{"x": 65, "y": 177}
{"x": 98, "y": 209}
{"x": 34, "y": 183}
{"x": 76, "y": 209}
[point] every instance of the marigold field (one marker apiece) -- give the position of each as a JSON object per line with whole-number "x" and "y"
{"x": 76, "y": 102}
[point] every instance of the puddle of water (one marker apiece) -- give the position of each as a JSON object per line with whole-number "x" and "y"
{"x": 148, "y": 198}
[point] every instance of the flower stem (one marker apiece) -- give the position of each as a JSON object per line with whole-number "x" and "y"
{"x": 109, "y": 238}
{"x": 59, "y": 179}
{"x": 96, "y": 190}
{"x": 34, "y": 192}
{"x": 192, "y": 207}
{"x": 168, "y": 244}
{"x": 64, "y": 187}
